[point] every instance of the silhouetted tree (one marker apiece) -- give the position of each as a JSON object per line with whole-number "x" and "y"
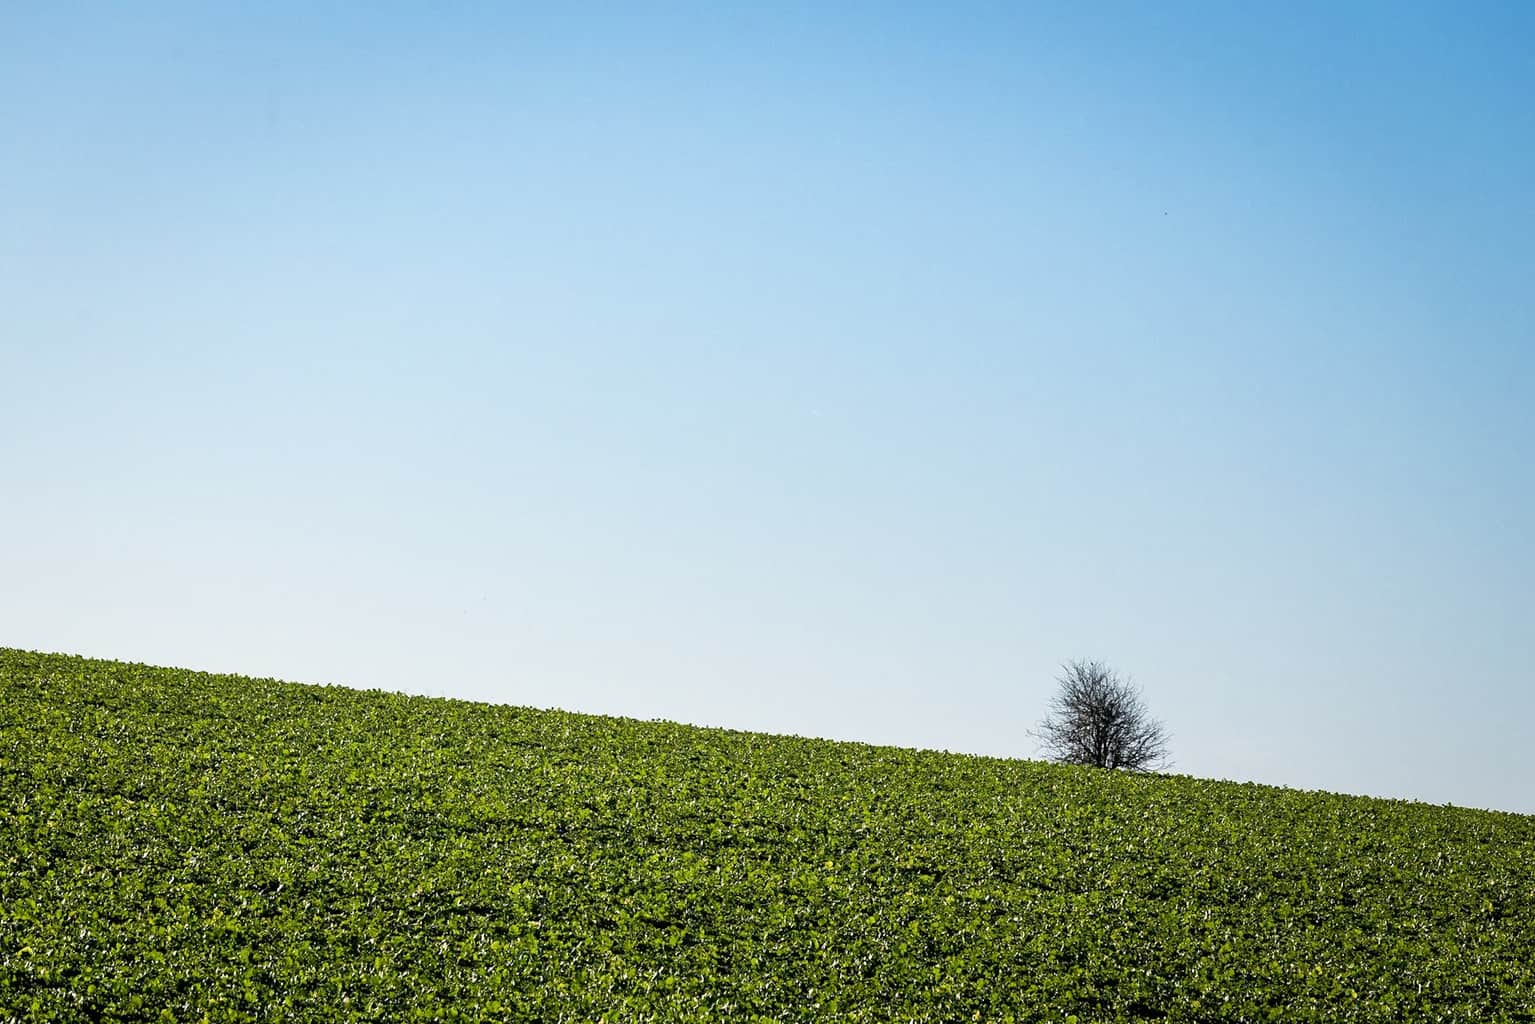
{"x": 1099, "y": 719}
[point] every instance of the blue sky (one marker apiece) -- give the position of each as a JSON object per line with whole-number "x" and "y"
{"x": 837, "y": 374}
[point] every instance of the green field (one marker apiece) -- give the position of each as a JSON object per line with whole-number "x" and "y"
{"x": 176, "y": 846}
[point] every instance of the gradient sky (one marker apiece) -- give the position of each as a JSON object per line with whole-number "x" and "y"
{"x": 835, "y": 374}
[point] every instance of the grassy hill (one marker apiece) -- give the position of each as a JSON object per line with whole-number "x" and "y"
{"x": 189, "y": 847}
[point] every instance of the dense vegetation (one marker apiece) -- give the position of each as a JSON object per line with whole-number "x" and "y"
{"x": 189, "y": 847}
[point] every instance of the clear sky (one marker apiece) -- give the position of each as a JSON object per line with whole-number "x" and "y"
{"x": 838, "y": 374}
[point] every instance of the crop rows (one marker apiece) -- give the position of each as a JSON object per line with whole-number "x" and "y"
{"x": 177, "y": 846}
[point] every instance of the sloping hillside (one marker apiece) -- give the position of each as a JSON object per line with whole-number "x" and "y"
{"x": 188, "y": 847}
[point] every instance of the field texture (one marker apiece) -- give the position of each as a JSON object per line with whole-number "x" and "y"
{"x": 185, "y": 847}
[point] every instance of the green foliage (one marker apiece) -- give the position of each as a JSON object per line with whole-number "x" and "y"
{"x": 185, "y": 847}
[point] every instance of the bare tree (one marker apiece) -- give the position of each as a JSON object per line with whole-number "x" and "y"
{"x": 1098, "y": 718}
